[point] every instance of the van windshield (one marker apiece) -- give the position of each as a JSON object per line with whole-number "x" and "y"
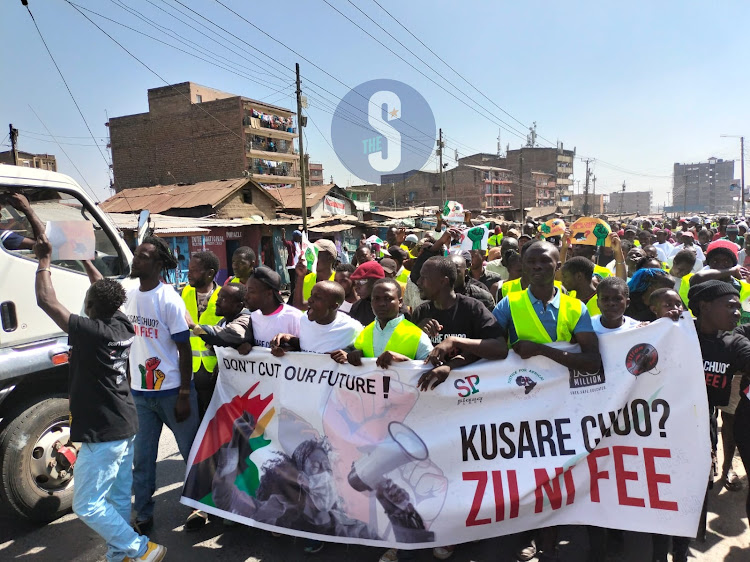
{"x": 16, "y": 233}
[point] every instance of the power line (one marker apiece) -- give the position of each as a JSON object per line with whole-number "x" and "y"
{"x": 297, "y": 54}
{"x": 151, "y": 70}
{"x": 68, "y": 88}
{"x": 510, "y": 128}
{"x": 242, "y": 75}
{"x": 455, "y": 71}
{"x": 192, "y": 44}
{"x": 57, "y": 136}
{"x": 67, "y": 156}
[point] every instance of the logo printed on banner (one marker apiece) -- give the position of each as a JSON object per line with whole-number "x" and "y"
{"x": 585, "y": 381}
{"x": 523, "y": 382}
{"x": 467, "y": 387}
{"x": 642, "y": 358}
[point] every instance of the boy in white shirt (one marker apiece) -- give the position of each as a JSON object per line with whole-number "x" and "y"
{"x": 613, "y": 297}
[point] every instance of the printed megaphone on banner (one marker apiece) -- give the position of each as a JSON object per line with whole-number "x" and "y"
{"x": 401, "y": 446}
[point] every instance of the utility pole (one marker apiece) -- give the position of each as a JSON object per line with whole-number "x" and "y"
{"x": 622, "y": 200}
{"x": 586, "y": 191}
{"x": 520, "y": 185}
{"x": 302, "y": 173}
{"x": 742, "y": 172}
{"x": 441, "y": 145}
{"x": 596, "y": 205}
{"x": 13, "y": 140}
{"x": 684, "y": 198}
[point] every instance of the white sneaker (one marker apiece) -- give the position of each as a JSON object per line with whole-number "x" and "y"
{"x": 154, "y": 553}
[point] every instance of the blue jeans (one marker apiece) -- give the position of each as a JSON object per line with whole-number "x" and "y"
{"x": 156, "y": 409}
{"x": 101, "y": 497}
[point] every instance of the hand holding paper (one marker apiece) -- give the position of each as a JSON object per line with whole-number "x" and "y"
{"x": 71, "y": 240}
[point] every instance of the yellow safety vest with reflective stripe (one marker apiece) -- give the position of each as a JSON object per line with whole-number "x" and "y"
{"x": 601, "y": 271}
{"x": 403, "y": 276}
{"x": 515, "y": 285}
{"x": 495, "y": 240}
{"x": 593, "y": 306}
{"x": 201, "y": 354}
{"x": 510, "y": 287}
{"x": 529, "y": 327}
{"x": 309, "y": 283}
{"x": 404, "y": 339}
{"x": 684, "y": 288}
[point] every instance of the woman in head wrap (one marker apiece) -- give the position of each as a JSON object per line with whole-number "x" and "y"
{"x": 644, "y": 282}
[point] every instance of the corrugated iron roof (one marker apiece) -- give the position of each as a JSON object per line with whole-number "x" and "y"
{"x": 291, "y": 197}
{"x": 161, "y": 198}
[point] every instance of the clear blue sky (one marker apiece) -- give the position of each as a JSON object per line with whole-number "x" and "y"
{"x": 637, "y": 86}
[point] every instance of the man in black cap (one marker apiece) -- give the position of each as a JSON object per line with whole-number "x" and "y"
{"x": 726, "y": 353}
{"x": 269, "y": 314}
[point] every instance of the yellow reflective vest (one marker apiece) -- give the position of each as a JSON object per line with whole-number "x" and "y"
{"x": 684, "y": 288}
{"x": 494, "y": 240}
{"x": 514, "y": 286}
{"x": 201, "y": 354}
{"x": 309, "y": 283}
{"x": 529, "y": 327}
{"x": 404, "y": 339}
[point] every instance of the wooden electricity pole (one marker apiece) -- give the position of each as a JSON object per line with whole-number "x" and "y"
{"x": 302, "y": 174}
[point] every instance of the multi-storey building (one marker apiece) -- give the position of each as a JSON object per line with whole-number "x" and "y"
{"x": 316, "y": 173}
{"x": 596, "y": 204}
{"x": 477, "y": 187}
{"x": 627, "y": 202}
{"x": 544, "y": 185}
{"x": 192, "y": 133}
{"x": 28, "y": 160}
{"x": 704, "y": 187}
{"x": 527, "y": 162}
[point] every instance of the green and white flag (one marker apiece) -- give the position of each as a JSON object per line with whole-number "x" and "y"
{"x": 310, "y": 252}
{"x": 475, "y": 238}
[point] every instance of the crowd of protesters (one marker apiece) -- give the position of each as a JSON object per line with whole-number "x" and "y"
{"x": 145, "y": 358}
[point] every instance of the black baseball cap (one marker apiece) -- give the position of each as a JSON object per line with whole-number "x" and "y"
{"x": 269, "y": 277}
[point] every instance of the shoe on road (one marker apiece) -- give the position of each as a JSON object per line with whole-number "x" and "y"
{"x": 154, "y": 553}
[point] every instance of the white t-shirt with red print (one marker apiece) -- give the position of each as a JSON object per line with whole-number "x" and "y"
{"x": 158, "y": 317}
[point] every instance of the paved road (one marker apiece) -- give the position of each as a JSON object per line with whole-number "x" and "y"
{"x": 68, "y": 539}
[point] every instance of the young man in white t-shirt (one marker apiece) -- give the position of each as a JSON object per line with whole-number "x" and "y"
{"x": 161, "y": 370}
{"x": 269, "y": 314}
{"x": 324, "y": 329}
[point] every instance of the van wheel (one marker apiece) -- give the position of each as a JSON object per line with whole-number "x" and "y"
{"x": 31, "y": 484}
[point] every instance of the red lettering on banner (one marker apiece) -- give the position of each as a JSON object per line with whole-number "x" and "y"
{"x": 653, "y": 479}
{"x": 513, "y": 491}
{"x": 594, "y": 473}
{"x": 553, "y": 489}
{"x": 500, "y": 500}
{"x": 476, "y": 503}
{"x": 622, "y": 476}
{"x": 497, "y": 485}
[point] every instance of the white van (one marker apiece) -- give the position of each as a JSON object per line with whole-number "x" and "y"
{"x": 35, "y": 478}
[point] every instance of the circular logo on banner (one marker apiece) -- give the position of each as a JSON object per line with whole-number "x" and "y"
{"x": 383, "y": 127}
{"x": 641, "y": 358}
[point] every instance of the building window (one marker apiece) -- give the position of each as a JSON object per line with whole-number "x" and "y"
{"x": 198, "y": 98}
{"x": 247, "y": 197}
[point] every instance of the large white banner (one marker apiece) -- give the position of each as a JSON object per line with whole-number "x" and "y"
{"x": 308, "y": 447}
